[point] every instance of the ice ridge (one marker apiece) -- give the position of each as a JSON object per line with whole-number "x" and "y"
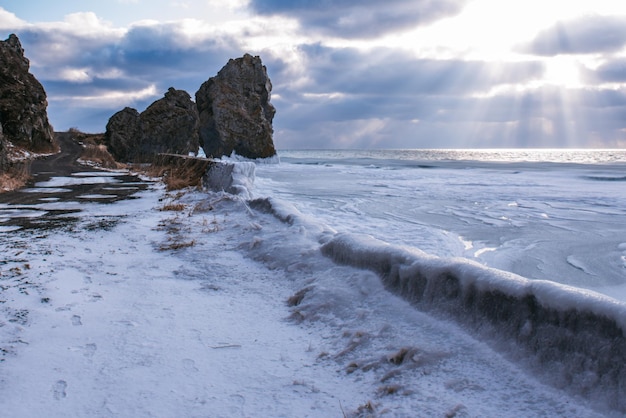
{"x": 574, "y": 338}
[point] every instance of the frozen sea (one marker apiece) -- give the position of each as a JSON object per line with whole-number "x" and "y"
{"x": 332, "y": 283}
{"x": 556, "y": 215}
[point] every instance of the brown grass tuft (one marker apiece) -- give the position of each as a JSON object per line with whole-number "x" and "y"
{"x": 177, "y": 245}
{"x": 99, "y": 155}
{"x": 173, "y": 207}
{"x": 17, "y": 176}
{"x": 178, "y": 171}
{"x": 94, "y": 149}
{"x": 297, "y": 298}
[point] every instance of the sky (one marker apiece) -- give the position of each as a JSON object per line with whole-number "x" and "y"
{"x": 345, "y": 73}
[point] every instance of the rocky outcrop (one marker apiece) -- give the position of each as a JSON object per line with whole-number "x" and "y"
{"x": 169, "y": 125}
{"x": 23, "y": 102}
{"x": 235, "y": 110}
{"x": 123, "y": 134}
{"x": 232, "y": 113}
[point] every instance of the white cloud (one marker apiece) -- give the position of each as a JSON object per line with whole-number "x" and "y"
{"x": 9, "y": 20}
{"x": 110, "y": 98}
{"x": 75, "y": 75}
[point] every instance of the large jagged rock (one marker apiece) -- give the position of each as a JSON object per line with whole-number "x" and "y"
{"x": 169, "y": 125}
{"x": 235, "y": 110}
{"x": 23, "y": 102}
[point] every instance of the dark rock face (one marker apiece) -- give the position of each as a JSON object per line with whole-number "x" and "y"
{"x": 23, "y": 101}
{"x": 235, "y": 110}
{"x": 123, "y": 134}
{"x": 4, "y": 160}
{"x": 169, "y": 125}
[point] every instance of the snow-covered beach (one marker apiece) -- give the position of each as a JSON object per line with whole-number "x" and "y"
{"x": 211, "y": 304}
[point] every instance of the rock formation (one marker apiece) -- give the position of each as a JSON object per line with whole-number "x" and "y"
{"x": 123, "y": 134}
{"x": 23, "y": 102}
{"x": 235, "y": 110}
{"x": 232, "y": 113}
{"x": 169, "y": 125}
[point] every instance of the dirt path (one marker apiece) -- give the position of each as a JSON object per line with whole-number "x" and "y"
{"x": 59, "y": 179}
{"x": 61, "y": 164}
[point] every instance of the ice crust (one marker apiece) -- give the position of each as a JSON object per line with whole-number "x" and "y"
{"x": 574, "y": 338}
{"x": 232, "y": 177}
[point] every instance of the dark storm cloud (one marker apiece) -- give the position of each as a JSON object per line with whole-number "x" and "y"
{"x": 439, "y": 103}
{"x": 419, "y": 103}
{"x": 585, "y": 35}
{"x": 155, "y": 52}
{"x": 158, "y": 51}
{"x": 388, "y": 72}
{"x": 364, "y": 19}
{"x": 346, "y": 84}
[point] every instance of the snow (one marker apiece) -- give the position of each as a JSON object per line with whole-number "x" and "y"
{"x": 228, "y": 307}
{"x": 71, "y": 181}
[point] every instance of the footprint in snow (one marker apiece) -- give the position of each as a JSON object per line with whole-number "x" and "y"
{"x": 95, "y": 297}
{"x": 76, "y": 320}
{"x": 88, "y": 350}
{"x": 58, "y": 390}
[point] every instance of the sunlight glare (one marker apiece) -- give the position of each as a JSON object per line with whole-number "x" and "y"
{"x": 492, "y": 29}
{"x": 562, "y": 71}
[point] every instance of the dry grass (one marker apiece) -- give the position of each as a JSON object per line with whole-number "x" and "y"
{"x": 99, "y": 155}
{"x": 8, "y": 183}
{"x": 366, "y": 410}
{"x": 173, "y": 207}
{"x": 210, "y": 227}
{"x": 178, "y": 172}
{"x": 177, "y": 245}
{"x": 94, "y": 149}
{"x": 297, "y": 298}
{"x": 15, "y": 177}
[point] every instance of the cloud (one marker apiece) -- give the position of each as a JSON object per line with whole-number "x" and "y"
{"x": 390, "y": 72}
{"x": 9, "y": 20}
{"x": 612, "y": 71}
{"x": 341, "y": 84}
{"x": 85, "y": 60}
{"x": 534, "y": 118}
{"x": 359, "y": 19}
{"x": 584, "y": 35}
{"x": 327, "y": 95}
{"x": 426, "y": 103}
